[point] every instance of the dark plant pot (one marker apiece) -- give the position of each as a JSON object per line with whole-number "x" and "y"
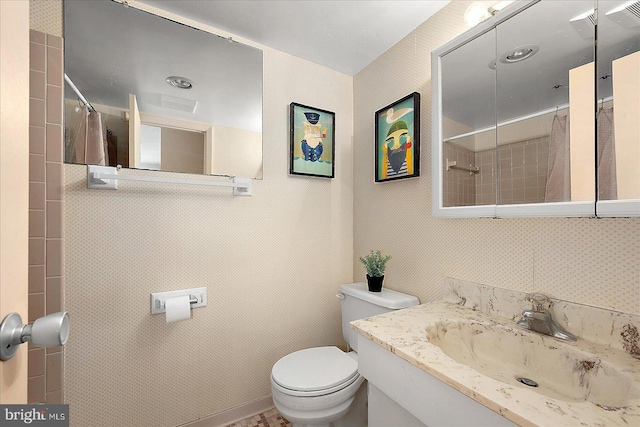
{"x": 375, "y": 283}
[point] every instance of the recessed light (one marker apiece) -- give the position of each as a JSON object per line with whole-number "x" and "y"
{"x": 179, "y": 82}
{"x": 519, "y": 54}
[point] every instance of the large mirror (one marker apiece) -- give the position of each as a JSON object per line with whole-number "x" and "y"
{"x": 514, "y": 106}
{"x": 618, "y": 108}
{"x": 146, "y": 92}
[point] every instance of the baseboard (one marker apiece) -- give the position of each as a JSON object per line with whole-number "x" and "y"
{"x": 235, "y": 414}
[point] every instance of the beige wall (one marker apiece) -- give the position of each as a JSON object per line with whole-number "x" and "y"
{"x": 583, "y": 260}
{"x": 237, "y": 152}
{"x": 272, "y": 264}
{"x": 14, "y": 185}
{"x": 182, "y": 150}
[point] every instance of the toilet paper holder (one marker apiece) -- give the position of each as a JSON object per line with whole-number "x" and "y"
{"x": 197, "y": 298}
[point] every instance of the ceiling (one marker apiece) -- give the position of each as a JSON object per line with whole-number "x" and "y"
{"x": 343, "y": 35}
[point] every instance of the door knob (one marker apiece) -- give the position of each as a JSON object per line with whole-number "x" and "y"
{"x": 50, "y": 330}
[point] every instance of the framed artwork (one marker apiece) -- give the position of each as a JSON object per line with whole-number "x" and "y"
{"x": 312, "y": 141}
{"x": 397, "y": 140}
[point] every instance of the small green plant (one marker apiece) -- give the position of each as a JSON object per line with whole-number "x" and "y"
{"x": 375, "y": 263}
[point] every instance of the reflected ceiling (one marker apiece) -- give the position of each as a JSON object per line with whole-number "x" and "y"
{"x": 125, "y": 50}
{"x": 549, "y": 27}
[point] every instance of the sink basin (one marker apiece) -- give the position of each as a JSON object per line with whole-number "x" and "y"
{"x": 565, "y": 371}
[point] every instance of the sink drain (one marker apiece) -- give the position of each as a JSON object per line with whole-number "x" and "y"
{"x": 527, "y": 382}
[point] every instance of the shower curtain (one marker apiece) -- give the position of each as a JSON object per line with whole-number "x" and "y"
{"x": 607, "y": 186}
{"x": 558, "y": 188}
{"x": 89, "y": 140}
{"x": 112, "y": 147}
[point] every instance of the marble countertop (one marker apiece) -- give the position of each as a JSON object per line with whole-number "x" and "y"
{"x": 406, "y": 333}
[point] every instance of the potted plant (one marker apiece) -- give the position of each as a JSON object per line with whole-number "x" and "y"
{"x": 375, "y": 264}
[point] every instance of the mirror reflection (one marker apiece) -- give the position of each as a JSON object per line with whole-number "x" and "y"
{"x": 145, "y": 92}
{"x": 618, "y": 100}
{"x": 517, "y": 107}
{"x": 468, "y": 118}
{"x": 545, "y": 104}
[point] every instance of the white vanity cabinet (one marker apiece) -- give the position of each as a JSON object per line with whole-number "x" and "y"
{"x": 402, "y": 394}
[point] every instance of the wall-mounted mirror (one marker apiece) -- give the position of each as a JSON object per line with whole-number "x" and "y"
{"x": 618, "y": 108}
{"x": 146, "y": 92}
{"x": 468, "y": 124}
{"x": 514, "y": 106}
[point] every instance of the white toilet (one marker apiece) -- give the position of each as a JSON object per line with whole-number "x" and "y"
{"x": 321, "y": 386}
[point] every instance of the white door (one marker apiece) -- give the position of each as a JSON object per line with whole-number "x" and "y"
{"x": 134, "y": 132}
{"x": 14, "y": 186}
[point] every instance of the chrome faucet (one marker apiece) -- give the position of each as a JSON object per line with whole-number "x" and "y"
{"x": 539, "y": 319}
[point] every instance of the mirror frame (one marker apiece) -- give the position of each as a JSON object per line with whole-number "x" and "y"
{"x": 555, "y": 209}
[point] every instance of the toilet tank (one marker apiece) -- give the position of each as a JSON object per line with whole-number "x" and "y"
{"x": 358, "y": 303}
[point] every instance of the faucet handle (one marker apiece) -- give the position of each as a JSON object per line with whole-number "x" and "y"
{"x": 540, "y": 302}
{"x": 536, "y": 315}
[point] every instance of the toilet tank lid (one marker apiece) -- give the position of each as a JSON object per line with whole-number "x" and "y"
{"x": 387, "y": 298}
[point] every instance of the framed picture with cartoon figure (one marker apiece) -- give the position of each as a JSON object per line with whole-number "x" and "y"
{"x": 397, "y": 140}
{"x": 312, "y": 141}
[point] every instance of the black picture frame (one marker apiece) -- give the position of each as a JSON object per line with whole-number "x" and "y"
{"x": 312, "y": 135}
{"x": 397, "y": 128}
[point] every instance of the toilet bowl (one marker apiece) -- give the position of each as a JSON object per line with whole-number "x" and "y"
{"x": 317, "y": 386}
{"x": 321, "y": 386}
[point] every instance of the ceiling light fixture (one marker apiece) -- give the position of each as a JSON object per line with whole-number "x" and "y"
{"x": 179, "y": 82}
{"x": 476, "y": 13}
{"x": 499, "y": 6}
{"x": 519, "y": 53}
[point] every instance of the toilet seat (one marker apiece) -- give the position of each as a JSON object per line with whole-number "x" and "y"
{"x": 314, "y": 372}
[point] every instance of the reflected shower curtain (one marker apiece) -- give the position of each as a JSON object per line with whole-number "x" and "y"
{"x": 89, "y": 139}
{"x": 558, "y": 187}
{"x": 607, "y": 186}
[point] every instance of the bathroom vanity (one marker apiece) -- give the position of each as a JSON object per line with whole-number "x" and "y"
{"x": 458, "y": 361}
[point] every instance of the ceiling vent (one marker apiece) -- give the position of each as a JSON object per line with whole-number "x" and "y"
{"x": 627, "y": 15}
{"x": 584, "y": 24}
{"x": 175, "y": 103}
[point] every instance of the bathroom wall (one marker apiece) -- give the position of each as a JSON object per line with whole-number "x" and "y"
{"x": 46, "y": 282}
{"x": 460, "y": 187}
{"x": 591, "y": 261}
{"x": 272, "y": 263}
{"x": 486, "y": 178}
{"x": 522, "y": 167}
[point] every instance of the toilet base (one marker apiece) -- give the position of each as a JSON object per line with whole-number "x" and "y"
{"x": 356, "y": 415}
